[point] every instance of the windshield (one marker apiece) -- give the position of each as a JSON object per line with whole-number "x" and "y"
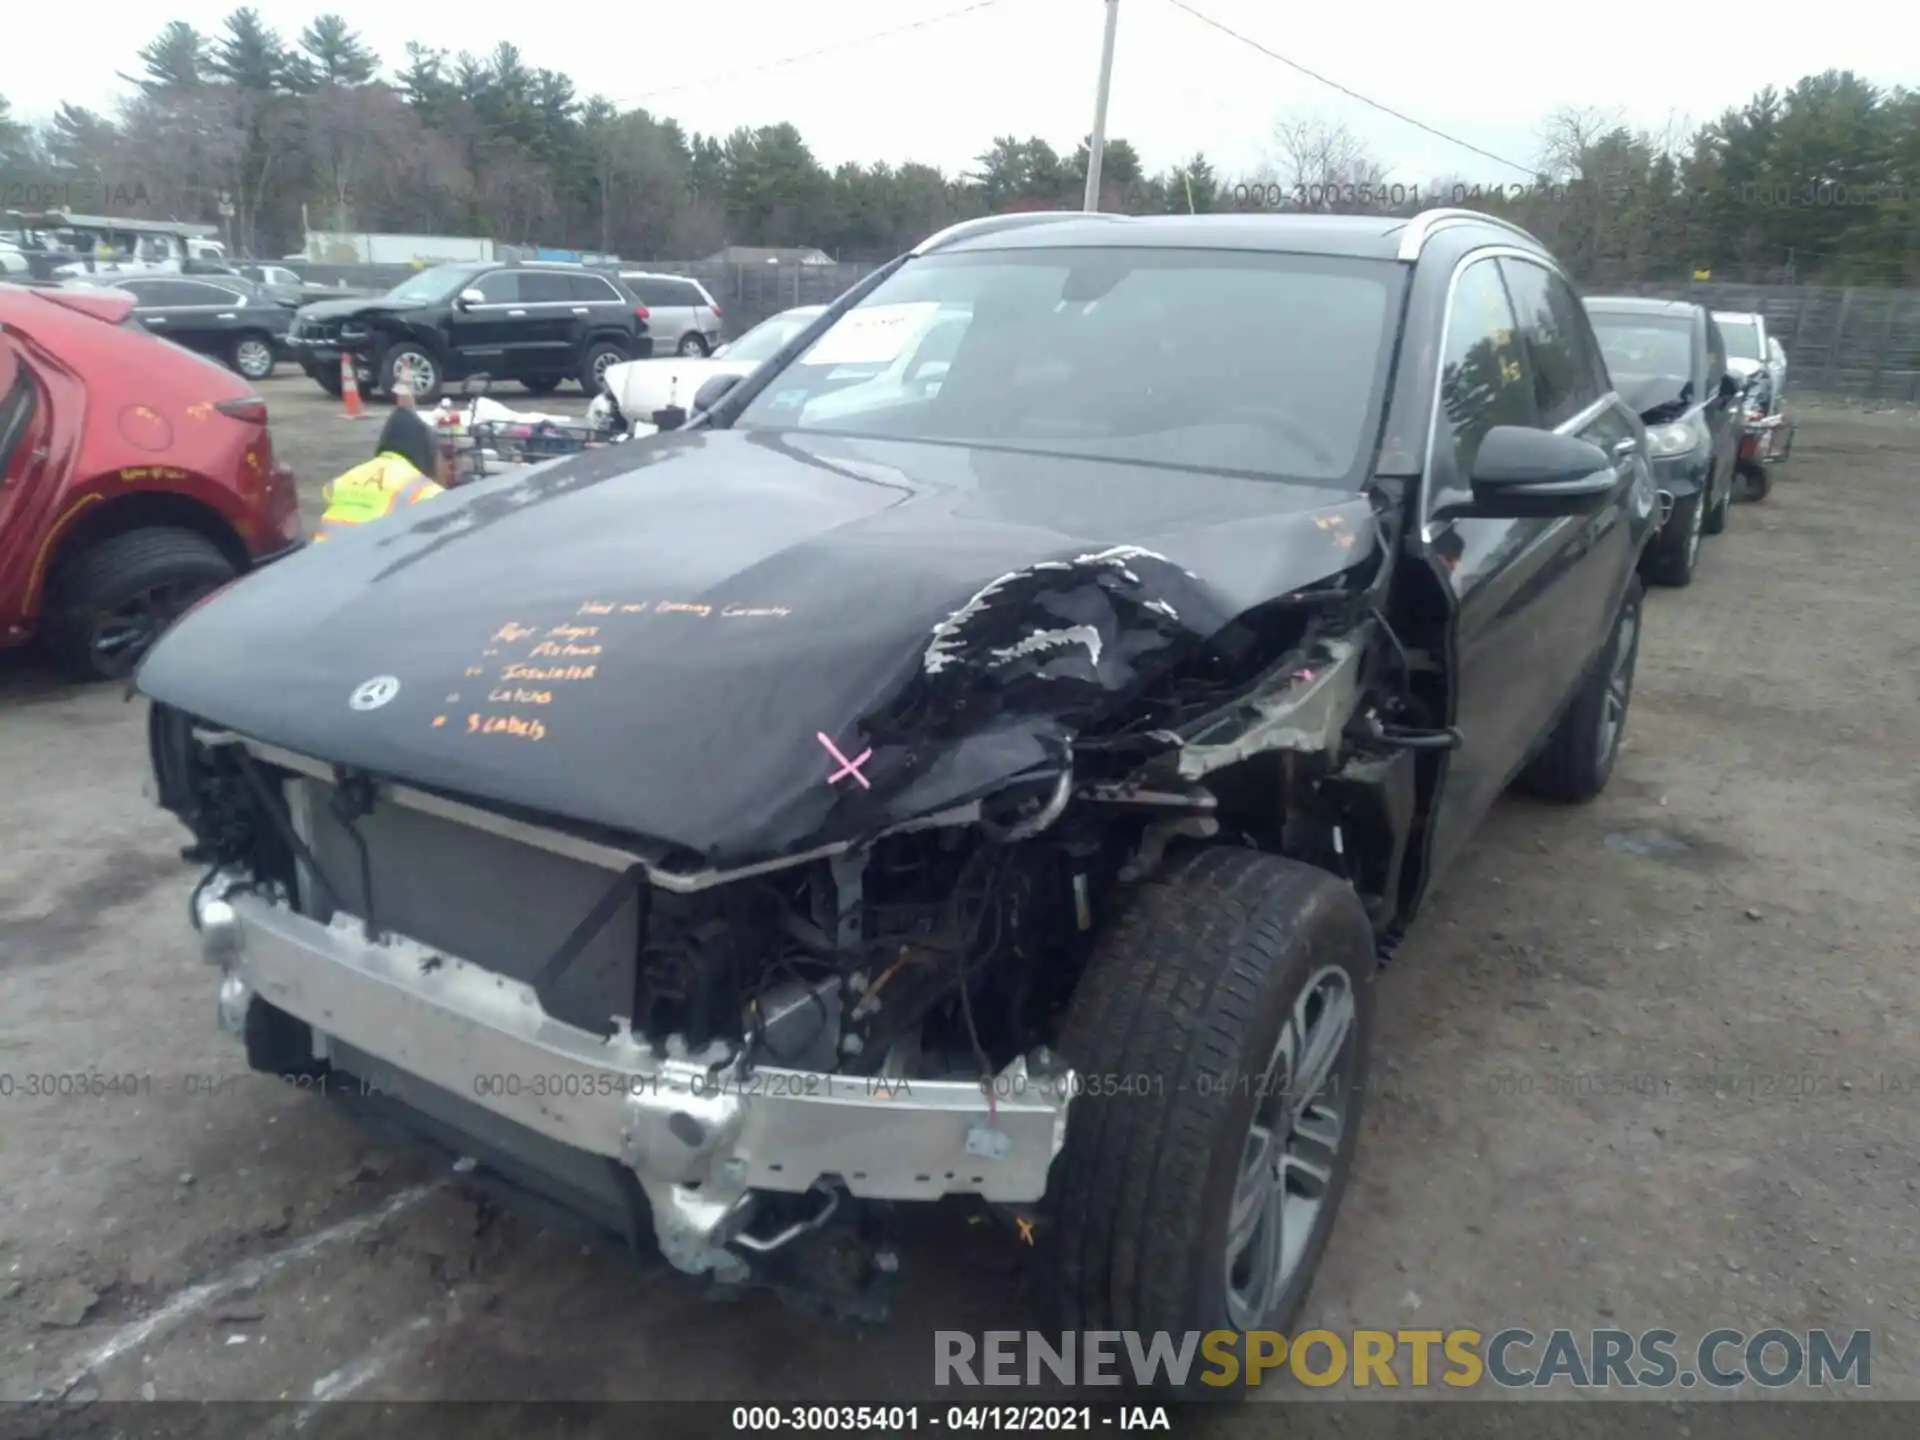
{"x": 430, "y": 285}
{"x": 1743, "y": 338}
{"x": 763, "y": 342}
{"x": 1266, "y": 364}
{"x": 1640, "y": 348}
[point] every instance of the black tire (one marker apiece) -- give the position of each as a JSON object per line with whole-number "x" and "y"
{"x": 251, "y": 356}
{"x": 327, "y": 380}
{"x": 1673, "y": 556}
{"x": 1191, "y": 989}
{"x": 593, "y": 364}
{"x": 109, "y": 603}
{"x": 693, "y": 343}
{"x": 1579, "y": 758}
{"x": 395, "y": 365}
{"x": 545, "y": 385}
{"x": 1716, "y": 519}
{"x": 1757, "y": 481}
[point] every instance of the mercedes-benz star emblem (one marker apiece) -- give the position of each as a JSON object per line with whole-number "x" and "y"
{"x": 374, "y": 693}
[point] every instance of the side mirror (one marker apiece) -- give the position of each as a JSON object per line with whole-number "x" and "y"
{"x": 1520, "y": 473}
{"x": 711, "y": 392}
{"x": 471, "y": 296}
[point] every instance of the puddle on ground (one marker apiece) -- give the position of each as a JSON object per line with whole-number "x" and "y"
{"x": 1651, "y": 844}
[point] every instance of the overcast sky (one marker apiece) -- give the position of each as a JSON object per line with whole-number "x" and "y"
{"x": 940, "y": 92}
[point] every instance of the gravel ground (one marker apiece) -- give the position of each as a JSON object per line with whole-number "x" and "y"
{"x": 1654, "y": 1062}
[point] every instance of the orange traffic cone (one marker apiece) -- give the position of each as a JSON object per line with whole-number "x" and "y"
{"x": 350, "y": 390}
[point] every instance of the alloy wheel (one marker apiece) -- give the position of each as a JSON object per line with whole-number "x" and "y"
{"x": 1301, "y": 1113}
{"x": 119, "y": 636}
{"x": 253, "y": 358}
{"x": 1613, "y": 708}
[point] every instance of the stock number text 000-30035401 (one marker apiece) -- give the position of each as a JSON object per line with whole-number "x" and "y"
{"x": 960, "y": 1419}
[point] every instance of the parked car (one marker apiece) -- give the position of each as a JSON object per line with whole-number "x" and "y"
{"x": 1060, "y": 747}
{"x": 1669, "y": 361}
{"x": 1750, "y": 352}
{"x": 682, "y": 314}
{"x": 1758, "y": 355}
{"x": 229, "y": 319}
{"x": 638, "y": 388}
{"x": 536, "y": 323}
{"x": 135, "y": 477}
{"x": 282, "y": 284}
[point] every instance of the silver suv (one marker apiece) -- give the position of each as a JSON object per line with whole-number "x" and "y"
{"x": 680, "y": 312}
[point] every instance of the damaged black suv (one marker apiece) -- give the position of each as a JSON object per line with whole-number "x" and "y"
{"x": 998, "y": 774}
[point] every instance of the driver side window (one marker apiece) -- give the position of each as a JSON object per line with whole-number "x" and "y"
{"x": 1483, "y": 378}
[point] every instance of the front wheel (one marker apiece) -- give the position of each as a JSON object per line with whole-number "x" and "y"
{"x": 1581, "y": 752}
{"x": 253, "y": 357}
{"x": 407, "y": 363}
{"x": 1233, "y": 996}
{"x": 1677, "y": 550}
{"x": 1716, "y": 521}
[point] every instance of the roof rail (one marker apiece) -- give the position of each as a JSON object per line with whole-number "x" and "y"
{"x": 1423, "y": 225}
{"x": 993, "y": 224}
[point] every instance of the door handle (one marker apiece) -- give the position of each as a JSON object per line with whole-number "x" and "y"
{"x": 229, "y": 315}
{"x": 579, "y": 309}
{"x": 1623, "y": 449}
{"x": 517, "y": 314}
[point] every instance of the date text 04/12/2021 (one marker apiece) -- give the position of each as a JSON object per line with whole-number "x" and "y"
{"x": 962, "y": 1419}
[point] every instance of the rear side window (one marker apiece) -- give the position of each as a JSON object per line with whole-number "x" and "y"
{"x": 1483, "y": 382}
{"x": 542, "y": 287}
{"x": 592, "y": 290}
{"x": 1567, "y": 374}
{"x": 665, "y": 294}
{"x": 16, "y": 414}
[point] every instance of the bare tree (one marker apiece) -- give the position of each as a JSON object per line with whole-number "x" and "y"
{"x": 1324, "y": 165}
{"x": 1567, "y": 138}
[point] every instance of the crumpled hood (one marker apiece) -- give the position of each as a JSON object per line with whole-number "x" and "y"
{"x": 1743, "y": 367}
{"x": 687, "y": 640}
{"x": 1648, "y": 394}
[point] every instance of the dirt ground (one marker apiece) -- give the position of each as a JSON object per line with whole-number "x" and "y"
{"x": 1654, "y": 1062}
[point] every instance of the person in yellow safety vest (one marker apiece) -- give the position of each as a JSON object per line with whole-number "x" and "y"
{"x": 406, "y": 468}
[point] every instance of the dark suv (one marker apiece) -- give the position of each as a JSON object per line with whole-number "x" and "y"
{"x": 1000, "y": 782}
{"x": 1669, "y": 359}
{"x": 538, "y": 324}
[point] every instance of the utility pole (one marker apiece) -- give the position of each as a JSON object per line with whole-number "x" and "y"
{"x": 1096, "y": 148}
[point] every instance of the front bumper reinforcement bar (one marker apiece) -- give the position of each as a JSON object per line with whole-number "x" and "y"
{"x": 700, "y": 1138}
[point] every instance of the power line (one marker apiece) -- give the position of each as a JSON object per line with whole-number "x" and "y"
{"x": 1351, "y": 94}
{"x": 834, "y": 48}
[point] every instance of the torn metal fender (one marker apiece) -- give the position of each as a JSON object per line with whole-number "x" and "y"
{"x": 1306, "y": 710}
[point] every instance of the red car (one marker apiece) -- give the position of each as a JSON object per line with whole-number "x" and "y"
{"x": 135, "y": 478}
